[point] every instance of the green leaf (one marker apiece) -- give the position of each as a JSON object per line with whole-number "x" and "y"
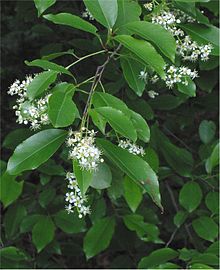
{"x": 213, "y": 160}
{"x": 207, "y": 131}
{"x": 178, "y": 158}
{"x": 28, "y": 223}
{"x": 43, "y": 232}
{"x": 69, "y": 223}
{"x": 157, "y": 257}
{"x": 35, "y": 150}
{"x": 98, "y": 237}
{"x": 135, "y": 167}
{"x": 102, "y": 177}
{"x": 46, "y": 196}
{"x": 103, "y": 99}
{"x": 131, "y": 70}
{"x": 206, "y": 228}
{"x": 141, "y": 126}
{"x": 152, "y": 158}
{"x": 204, "y": 34}
{"x": 40, "y": 83}
{"x": 155, "y": 33}
{"x": 46, "y": 65}
{"x": 145, "y": 51}
{"x": 105, "y": 12}
{"x": 128, "y": 11}
{"x": 132, "y": 193}
{"x": 118, "y": 121}
{"x": 83, "y": 177}
{"x": 13, "y": 219}
{"x": 199, "y": 266}
{"x": 55, "y": 55}
{"x": 180, "y": 218}
{"x": 212, "y": 202}
{"x": 98, "y": 120}
{"x": 72, "y": 21}
{"x": 15, "y": 137}
{"x": 165, "y": 102}
{"x": 12, "y": 253}
{"x": 42, "y": 5}
{"x": 10, "y": 189}
{"x": 190, "y": 196}
{"x": 189, "y": 90}
{"x": 62, "y": 109}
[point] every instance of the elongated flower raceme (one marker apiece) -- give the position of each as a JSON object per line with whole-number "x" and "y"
{"x": 74, "y": 198}
{"x": 29, "y": 112}
{"x": 131, "y": 147}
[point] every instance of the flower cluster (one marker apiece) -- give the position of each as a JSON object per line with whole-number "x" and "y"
{"x": 190, "y": 50}
{"x": 29, "y": 112}
{"x": 152, "y": 94}
{"x": 179, "y": 75}
{"x": 74, "y": 197}
{"x": 149, "y": 6}
{"x": 86, "y": 14}
{"x": 131, "y": 147}
{"x": 186, "y": 47}
{"x": 83, "y": 149}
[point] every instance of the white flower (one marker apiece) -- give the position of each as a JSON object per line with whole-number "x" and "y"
{"x": 152, "y": 94}
{"x": 149, "y": 6}
{"x": 29, "y": 112}
{"x": 83, "y": 149}
{"x": 131, "y": 147}
{"x": 87, "y": 14}
{"x": 74, "y": 197}
{"x": 143, "y": 75}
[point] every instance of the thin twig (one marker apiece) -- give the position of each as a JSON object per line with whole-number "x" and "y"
{"x": 97, "y": 78}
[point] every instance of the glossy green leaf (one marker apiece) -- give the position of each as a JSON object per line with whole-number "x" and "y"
{"x": 118, "y": 121}
{"x": 72, "y": 21}
{"x": 47, "y": 65}
{"x": 157, "y": 257}
{"x": 46, "y": 196}
{"x": 43, "y": 232}
{"x": 62, "y": 110}
{"x": 28, "y": 223}
{"x": 42, "y": 5}
{"x": 206, "y": 228}
{"x": 131, "y": 70}
{"x": 135, "y": 167}
{"x": 212, "y": 202}
{"x": 13, "y": 219}
{"x": 98, "y": 120}
{"x": 141, "y": 126}
{"x": 55, "y": 55}
{"x": 83, "y": 177}
{"x": 145, "y": 51}
{"x": 165, "y": 102}
{"x": 12, "y": 253}
{"x": 135, "y": 223}
{"x": 204, "y": 34}
{"x": 98, "y": 237}
{"x": 15, "y": 137}
{"x": 178, "y": 158}
{"x": 35, "y": 150}
{"x": 152, "y": 158}
{"x": 200, "y": 266}
{"x": 104, "y": 99}
{"x": 128, "y": 11}
{"x": 190, "y": 196}
{"x": 189, "y": 90}
{"x": 40, "y": 83}
{"x": 102, "y": 177}
{"x": 207, "y": 131}
{"x": 155, "y": 33}
{"x": 213, "y": 160}
{"x": 69, "y": 223}
{"x": 10, "y": 189}
{"x": 132, "y": 193}
{"x": 180, "y": 218}
{"x": 105, "y": 12}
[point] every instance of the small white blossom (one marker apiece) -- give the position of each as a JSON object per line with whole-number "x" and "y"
{"x": 131, "y": 147}
{"x": 149, "y": 6}
{"x": 152, "y": 94}
{"x": 83, "y": 149}
{"x": 86, "y": 14}
{"x": 143, "y": 75}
